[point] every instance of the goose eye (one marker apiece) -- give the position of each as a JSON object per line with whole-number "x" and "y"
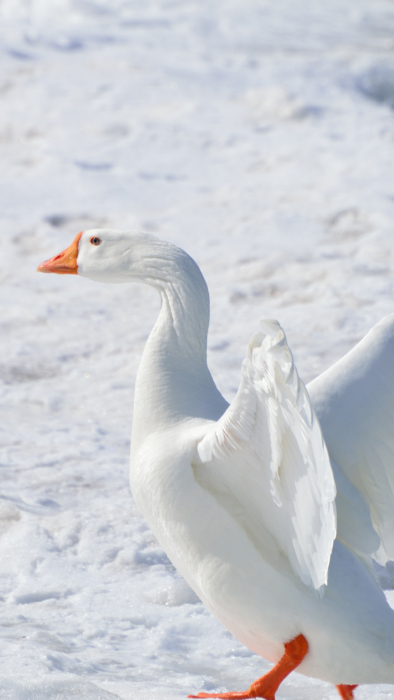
{"x": 95, "y": 241}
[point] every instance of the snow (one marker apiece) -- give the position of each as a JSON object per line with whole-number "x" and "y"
{"x": 257, "y": 135}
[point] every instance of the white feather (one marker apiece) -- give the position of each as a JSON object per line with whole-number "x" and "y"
{"x": 270, "y": 453}
{"x": 354, "y": 401}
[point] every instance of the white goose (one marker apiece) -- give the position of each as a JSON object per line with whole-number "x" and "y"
{"x": 242, "y": 497}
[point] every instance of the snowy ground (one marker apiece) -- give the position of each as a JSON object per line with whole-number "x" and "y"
{"x": 259, "y": 136}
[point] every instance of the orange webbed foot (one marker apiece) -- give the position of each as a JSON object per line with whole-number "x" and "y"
{"x": 266, "y": 686}
{"x": 242, "y": 695}
{"x": 226, "y": 696}
{"x": 346, "y": 691}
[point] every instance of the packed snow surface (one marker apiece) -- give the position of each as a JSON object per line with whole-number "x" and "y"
{"x": 257, "y": 135}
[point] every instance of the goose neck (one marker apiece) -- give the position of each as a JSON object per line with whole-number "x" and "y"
{"x": 173, "y": 381}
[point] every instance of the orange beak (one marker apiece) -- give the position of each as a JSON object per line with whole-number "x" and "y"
{"x": 65, "y": 263}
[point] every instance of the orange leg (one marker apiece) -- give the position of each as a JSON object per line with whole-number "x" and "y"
{"x": 346, "y": 691}
{"x": 266, "y": 686}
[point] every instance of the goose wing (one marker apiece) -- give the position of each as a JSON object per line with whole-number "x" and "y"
{"x": 268, "y": 453}
{"x": 354, "y": 401}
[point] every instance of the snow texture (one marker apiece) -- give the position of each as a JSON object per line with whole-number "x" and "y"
{"x": 257, "y": 135}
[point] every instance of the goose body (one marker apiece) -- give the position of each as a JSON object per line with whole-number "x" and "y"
{"x": 242, "y": 497}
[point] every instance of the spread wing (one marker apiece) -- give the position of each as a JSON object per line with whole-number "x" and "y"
{"x": 267, "y": 451}
{"x": 354, "y": 524}
{"x": 354, "y": 401}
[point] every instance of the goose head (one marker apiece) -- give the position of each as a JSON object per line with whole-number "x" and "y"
{"x": 108, "y": 255}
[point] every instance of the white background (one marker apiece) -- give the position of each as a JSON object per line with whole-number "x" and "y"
{"x": 259, "y": 136}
